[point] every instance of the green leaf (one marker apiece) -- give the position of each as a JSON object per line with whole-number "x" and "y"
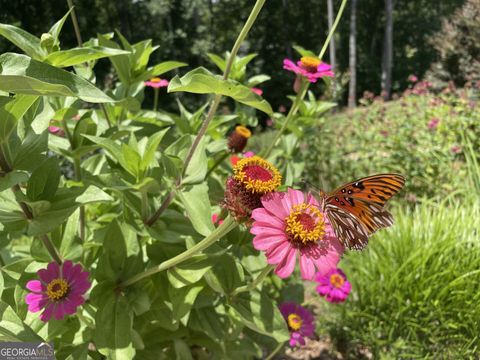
{"x": 93, "y": 194}
{"x": 196, "y": 201}
{"x": 198, "y": 166}
{"x": 70, "y": 248}
{"x": 121, "y": 63}
{"x": 152, "y": 145}
{"x": 30, "y": 153}
{"x": 85, "y": 126}
{"x": 29, "y": 43}
{"x": 190, "y": 271}
{"x": 217, "y": 60}
{"x": 77, "y": 56}
{"x": 12, "y": 328}
{"x": 113, "y": 329}
{"x": 304, "y": 52}
{"x": 183, "y": 300}
{"x": 226, "y": 275}
{"x": 202, "y": 81}
{"x": 57, "y": 28}
{"x": 12, "y": 178}
{"x": 182, "y": 350}
{"x": 44, "y": 181}
{"x": 260, "y": 313}
{"x": 23, "y": 75}
{"x": 159, "y": 69}
{"x": 12, "y": 110}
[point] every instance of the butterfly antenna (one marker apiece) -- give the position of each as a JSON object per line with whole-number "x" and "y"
{"x": 305, "y": 182}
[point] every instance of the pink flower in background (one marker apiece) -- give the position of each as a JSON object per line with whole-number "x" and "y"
{"x": 55, "y": 130}
{"x": 433, "y": 123}
{"x": 257, "y": 91}
{"x": 282, "y": 109}
{"x": 216, "y": 220}
{"x": 299, "y": 321}
{"x": 309, "y": 67}
{"x": 234, "y": 159}
{"x": 157, "y": 83}
{"x": 333, "y": 286}
{"x": 291, "y": 225}
{"x": 456, "y": 149}
{"x": 59, "y": 291}
{"x": 413, "y": 78}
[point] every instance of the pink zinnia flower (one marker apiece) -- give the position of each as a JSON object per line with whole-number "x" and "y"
{"x": 291, "y": 224}
{"x": 55, "y": 130}
{"x": 433, "y": 123}
{"x": 299, "y": 321}
{"x": 456, "y": 149}
{"x": 257, "y": 91}
{"x": 59, "y": 291}
{"x": 333, "y": 285}
{"x": 216, "y": 220}
{"x": 310, "y": 67}
{"x": 157, "y": 83}
{"x": 413, "y": 78}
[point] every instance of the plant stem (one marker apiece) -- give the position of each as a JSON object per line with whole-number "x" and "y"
{"x": 227, "y": 225}
{"x": 105, "y": 113}
{"x": 213, "y": 108}
{"x": 275, "y": 351}
{"x": 52, "y": 250}
{"x": 255, "y": 282}
{"x": 332, "y": 30}
{"x": 75, "y": 23}
{"x": 144, "y": 205}
{"x": 78, "y": 177}
{"x": 155, "y": 99}
{"x": 293, "y": 110}
{"x": 215, "y": 165}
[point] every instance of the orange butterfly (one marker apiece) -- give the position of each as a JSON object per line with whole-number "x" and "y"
{"x": 356, "y": 210}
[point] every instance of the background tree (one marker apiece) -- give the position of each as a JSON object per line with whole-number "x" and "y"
{"x": 352, "y": 61}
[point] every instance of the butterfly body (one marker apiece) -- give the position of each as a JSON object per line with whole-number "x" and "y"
{"x": 356, "y": 210}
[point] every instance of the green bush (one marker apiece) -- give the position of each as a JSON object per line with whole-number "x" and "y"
{"x": 395, "y": 137}
{"x": 415, "y": 289}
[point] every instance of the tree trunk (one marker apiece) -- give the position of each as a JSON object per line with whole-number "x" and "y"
{"x": 387, "y": 62}
{"x": 286, "y": 29}
{"x": 332, "y": 45}
{"x": 352, "y": 63}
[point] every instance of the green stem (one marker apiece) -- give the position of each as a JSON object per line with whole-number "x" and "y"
{"x": 255, "y": 282}
{"x": 217, "y": 163}
{"x": 155, "y": 99}
{"x": 75, "y": 23}
{"x": 78, "y": 177}
{"x": 105, "y": 113}
{"x": 67, "y": 131}
{"x": 293, "y": 110}
{"x": 213, "y": 108}
{"x": 275, "y": 351}
{"x": 332, "y": 30}
{"x": 52, "y": 250}
{"x": 144, "y": 205}
{"x": 227, "y": 225}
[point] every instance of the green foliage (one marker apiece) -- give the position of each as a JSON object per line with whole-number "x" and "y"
{"x": 395, "y": 137}
{"x": 415, "y": 287}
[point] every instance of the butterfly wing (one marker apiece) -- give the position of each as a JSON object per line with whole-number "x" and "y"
{"x": 361, "y": 202}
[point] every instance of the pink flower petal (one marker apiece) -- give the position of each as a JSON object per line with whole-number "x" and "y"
{"x": 261, "y": 242}
{"x": 35, "y": 286}
{"x": 323, "y": 289}
{"x": 59, "y": 311}
{"x": 277, "y": 253}
{"x": 307, "y": 268}
{"x": 275, "y": 206}
{"x": 47, "y": 314}
{"x": 36, "y": 302}
{"x": 287, "y": 265}
{"x": 296, "y": 196}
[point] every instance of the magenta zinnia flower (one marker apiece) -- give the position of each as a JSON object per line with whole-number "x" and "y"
{"x": 257, "y": 91}
{"x": 291, "y": 224}
{"x": 157, "y": 83}
{"x": 333, "y": 285}
{"x": 310, "y": 67}
{"x": 299, "y": 321}
{"x": 433, "y": 123}
{"x": 59, "y": 291}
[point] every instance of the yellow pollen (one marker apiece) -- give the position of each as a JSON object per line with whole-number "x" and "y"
{"x": 337, "y": 280}
{"x": 294, "y": 322}
{"x": 257, "y": 175}
{"x": 243, "y": 131}
{"x": 155, "y": 79}
{"x": 310, "y": 63}
{"x": 305, "y": 223}
{"x": 57, "y": 289}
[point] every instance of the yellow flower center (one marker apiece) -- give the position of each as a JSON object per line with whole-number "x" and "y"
{"x": 155, "y": 80}
{"x": 257, "y": 175}
{"x": 305, "y": 223}
{"x": 310, "y": 63}
{"x": 294, "y": 322}
{"x": 243, "y": 131}
{"x": 57, "y": 289}
{"x": 337, "y": 280}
